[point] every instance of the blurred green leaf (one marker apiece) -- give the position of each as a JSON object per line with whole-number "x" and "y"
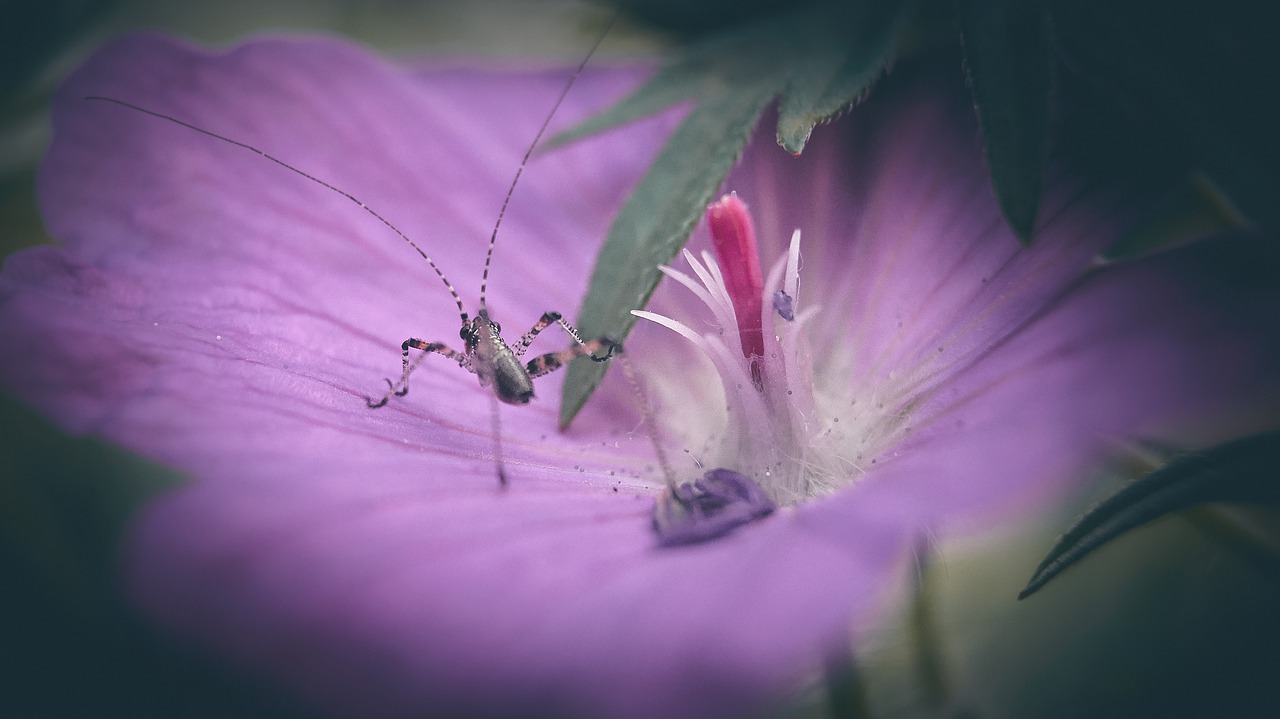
{"x": 1249, "y": 532}
{"x": 922, "y": 626}
{"x": 64, "y": 502}
{"x": 1008, "y": 61}
{"x": 839, "y": 70}
{"x": 72, "y": 647}
{"x": 1245, "y": 470}
{"x": 690, "y": 19}
{"x": 32, "y": 34}
{"x": 1195, "y": 209}
{"x": 1195, "y": 81}
{"x": 846, "y": 689}
{"x": 675, "y": 83}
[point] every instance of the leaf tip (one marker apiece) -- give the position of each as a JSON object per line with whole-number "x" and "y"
{"x": 794, "y": 135}
{"x": 1032, "y": 587}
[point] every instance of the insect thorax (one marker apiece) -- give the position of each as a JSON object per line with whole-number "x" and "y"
{"x": 494, "y": 362}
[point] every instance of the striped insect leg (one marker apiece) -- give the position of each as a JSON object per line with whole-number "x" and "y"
{"x": 401, "y": 387}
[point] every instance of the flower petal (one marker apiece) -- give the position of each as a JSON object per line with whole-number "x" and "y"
{"x": 1004, "y": 374}
{"x": 214, "y": 312}
{"x": 384, "y": 603}
{"x": 204, "y": 296}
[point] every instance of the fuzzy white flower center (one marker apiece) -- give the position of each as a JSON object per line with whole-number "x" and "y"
{"x": 801, "y": 431}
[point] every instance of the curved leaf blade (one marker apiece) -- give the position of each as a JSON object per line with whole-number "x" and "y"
{"x": 656, "y": 222}
{"x": 1006, "y": 54}
{"x": 1245, "y": 470}
{"x": 840, "y": 69}
{"x": 671, "y": 86}
{"x": 733, "y": 76}
{"x": 1194, "y": 210}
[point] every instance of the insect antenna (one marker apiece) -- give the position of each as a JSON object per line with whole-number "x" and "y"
{"x": 448, "y": 285}
{"x": 486, "y": 354}
{"x": 546, "y": 122}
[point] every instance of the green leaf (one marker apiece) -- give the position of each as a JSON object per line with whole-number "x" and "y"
{"x": 751, "y": 58}
{"x": 1195, "y": 209}
{"x": 656, "y": 222}
{"x": 734, "y": 77}
{"x": 674, "y": 84}
{"x": 73, "y": 645}
{"x": 731, "y": 77}
{"x": 1007, "y": 58}
{"x": 65, "y": 502}
{"x": 840, "y": 70}
{"x": 826, "y": 56}
{"x": 846, "y": 688}
{"x": 922, "y": 630}
{"x": 1197, "y": 82}
{"x": 1246, "y": 470}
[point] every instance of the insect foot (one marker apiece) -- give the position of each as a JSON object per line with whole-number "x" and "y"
{"x": 391, "y": 389}
{"x": 552, "y": 361}
{"x": 401, "y": 388}
{"x": 611, "y": 348}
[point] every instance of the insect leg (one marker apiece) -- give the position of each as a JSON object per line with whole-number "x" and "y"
{"x": 552, "y": 361}
{"x": 545, "y": 322}
{"x": 401, "y": 388}
{"x": 573, "y": 331}
{"x": 542, "y": 323}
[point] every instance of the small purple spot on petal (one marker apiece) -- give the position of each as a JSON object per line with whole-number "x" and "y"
{"x": 784, "y": 305}
{"x": 721, "y": 501}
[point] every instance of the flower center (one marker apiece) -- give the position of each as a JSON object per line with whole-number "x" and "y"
{"x": 781, "y": 430}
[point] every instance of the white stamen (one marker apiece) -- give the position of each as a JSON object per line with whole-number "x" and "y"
{"x": 677, "y": 327}
{"x": 796, "y": 442}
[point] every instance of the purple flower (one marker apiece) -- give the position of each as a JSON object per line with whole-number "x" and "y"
{"x": 211, "y": 311}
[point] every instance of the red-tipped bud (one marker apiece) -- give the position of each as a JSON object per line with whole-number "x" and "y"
{"x": 734, "y": 238}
